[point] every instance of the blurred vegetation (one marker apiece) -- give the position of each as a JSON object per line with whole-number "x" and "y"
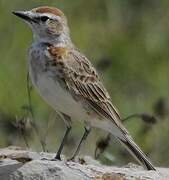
{"x": 127, "y": 41}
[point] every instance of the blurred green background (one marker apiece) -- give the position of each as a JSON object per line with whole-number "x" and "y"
{"x": 128, "y": 43}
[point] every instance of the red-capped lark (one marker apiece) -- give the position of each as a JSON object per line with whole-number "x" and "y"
{"x": 69, "y": 83}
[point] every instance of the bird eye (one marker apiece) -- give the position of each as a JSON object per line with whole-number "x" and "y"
{"x": 44, "y": 18}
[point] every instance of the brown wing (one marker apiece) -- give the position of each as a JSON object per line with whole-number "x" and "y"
{"x": 82, "y": 80}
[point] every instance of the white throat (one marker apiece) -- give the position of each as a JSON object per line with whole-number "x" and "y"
{"x": 62, "y": 40}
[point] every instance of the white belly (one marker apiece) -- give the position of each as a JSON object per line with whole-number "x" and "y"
{"x": 59, "y": 98}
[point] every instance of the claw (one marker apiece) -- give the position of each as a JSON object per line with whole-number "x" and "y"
{"x": 53, "y": 159}
{"x": 57, "y": 158}
{"x": 71, "y": 159}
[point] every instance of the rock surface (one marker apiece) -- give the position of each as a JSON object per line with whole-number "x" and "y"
{"x": 18, "y": 164}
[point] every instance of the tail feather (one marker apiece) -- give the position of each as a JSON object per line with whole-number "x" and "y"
{"x": 137, "y": 153}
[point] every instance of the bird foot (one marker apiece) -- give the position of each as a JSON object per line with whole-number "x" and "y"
{"x": 76, "y": 159}
{"x": 71, "y": 159}
{"x": 53, "y": 159}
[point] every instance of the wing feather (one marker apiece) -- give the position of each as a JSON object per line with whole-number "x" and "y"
{"x": 82, "y": 81}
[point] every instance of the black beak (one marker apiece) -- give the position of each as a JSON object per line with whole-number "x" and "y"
{"x": 25, "y": 15}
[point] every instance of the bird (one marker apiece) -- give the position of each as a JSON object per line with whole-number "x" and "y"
{"x": 66, "y": 79}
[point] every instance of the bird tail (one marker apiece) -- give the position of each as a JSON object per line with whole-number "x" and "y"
{"x": 136, "y": 152}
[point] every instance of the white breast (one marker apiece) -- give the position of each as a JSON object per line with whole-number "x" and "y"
{"x": 49, "y": 88}
{"x": 58, "y": 98}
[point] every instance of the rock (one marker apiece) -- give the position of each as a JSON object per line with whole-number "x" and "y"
{"x": 19, "y": 164}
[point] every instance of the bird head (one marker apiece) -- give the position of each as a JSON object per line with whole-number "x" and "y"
{"x": 47, "y": 23}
